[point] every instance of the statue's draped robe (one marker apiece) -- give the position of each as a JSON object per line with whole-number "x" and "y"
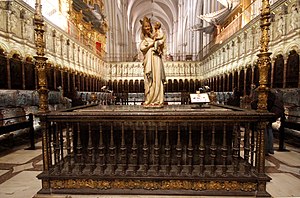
{"x": 153, "y": 74}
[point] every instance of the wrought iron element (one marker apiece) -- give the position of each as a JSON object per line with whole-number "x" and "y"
{"x": 264, "y": 56}
{"x": 40, "y": 60}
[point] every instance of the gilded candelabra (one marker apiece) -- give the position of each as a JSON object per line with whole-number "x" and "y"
{"x": 40, "y": 60}
{"x": 264, "y": 56}
{"x": 263, "y": 65}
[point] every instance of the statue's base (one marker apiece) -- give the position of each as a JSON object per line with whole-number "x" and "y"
{"x": 153, "y": 106}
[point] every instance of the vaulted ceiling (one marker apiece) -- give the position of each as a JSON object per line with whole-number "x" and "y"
{"x": 178, "y": 18}
{"x": 163, "y": 11}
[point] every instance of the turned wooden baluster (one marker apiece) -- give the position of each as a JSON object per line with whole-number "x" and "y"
{"x": 56, "y": 147}
{"x": 134, "y": 149}
{"x": 101, "y": 150}
{"x": 178, "y": 151}
{"x": 213, "y": 150}
{"x": 239, "y": 139}
{"x": 201, "y": 152}
{"x": 90, "y": 150}
{"x": 54, "y": 134}
{"x": 145, "y": 151}
{"x": 235, "y": 149}
{"x": 49, "y": 139}
{"x": 239, "y": 144}
{"x": 72, "y": 149}
{"x": 190, "y": 151}
{"x": 247, "y": 148}
{"x": 168, "y": 151}
{"x": 252, "y": 144}
{"x": 224, "y": 152}
{"x": 79, "y": 157}
{"x": 156, "y": 152}
{"x": 68, "y": 158}
{"x": 61, "y": 142}
{"x": 112, "y": 151}
{"x": 123, "y": 157}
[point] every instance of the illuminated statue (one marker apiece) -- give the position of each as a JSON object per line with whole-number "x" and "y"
{"x": 154, "y": 74}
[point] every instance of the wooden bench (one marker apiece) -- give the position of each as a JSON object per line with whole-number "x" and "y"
{"x": 27, "y": 123}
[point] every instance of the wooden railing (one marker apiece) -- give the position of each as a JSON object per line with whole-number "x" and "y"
{"x": 174, "y": 150}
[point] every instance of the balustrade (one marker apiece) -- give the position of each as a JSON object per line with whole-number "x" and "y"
{"x": 176, "y": 149}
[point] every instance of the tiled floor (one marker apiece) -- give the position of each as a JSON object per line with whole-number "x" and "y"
{"x": 19, "y": 168}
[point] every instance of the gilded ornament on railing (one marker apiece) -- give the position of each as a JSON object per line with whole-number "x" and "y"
{"x": 153, "y": 185}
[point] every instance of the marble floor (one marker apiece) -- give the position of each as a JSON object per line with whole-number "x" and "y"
{"x": 19, "y": 168}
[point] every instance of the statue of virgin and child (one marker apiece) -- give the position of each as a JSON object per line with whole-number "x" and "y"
{"x": 152, "y": 46}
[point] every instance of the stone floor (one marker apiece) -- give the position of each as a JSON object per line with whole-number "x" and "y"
{"x": 19, "y": 168}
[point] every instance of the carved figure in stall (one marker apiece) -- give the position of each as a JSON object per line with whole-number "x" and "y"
{"x": 28, "y": 33}
{"x": 280, "y": 26}
{"x": 13, "y": 22}
{"x": 154, "y": 73}
{"x": 294, "y": 17}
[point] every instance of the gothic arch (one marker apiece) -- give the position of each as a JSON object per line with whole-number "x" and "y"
{"x": 292, "y": 47}
{"x": 14, "y": 53}
{"x": 3, "y": 48}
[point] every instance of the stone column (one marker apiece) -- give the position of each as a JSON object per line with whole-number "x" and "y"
{"x": 8, "y": 72}
{"x": 23, "y": 75}
{"x": 252, "y": 75}
{"x": 285, "y": 60}
{"x": 245, "y": 81}
{"x": 272, "y": 72}
{"x": 299, "y": 69}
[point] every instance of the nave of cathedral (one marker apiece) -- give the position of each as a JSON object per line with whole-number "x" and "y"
{"x": 77, "y": 67}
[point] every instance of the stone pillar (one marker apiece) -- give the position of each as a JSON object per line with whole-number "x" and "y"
{"x": 238, "y": 79}
{"x": 23, "y": 75}
{"x": 8, "y": 73}
{"x": 299, "y": 69}
{"x": 272, "y": 72}
{"x": 232, "y": 81}
{"x": 68, "y": 78}
{"x": 227, "y": 85}
{"x": 252, "y": 74}
{"x": 245, "y": 81}
{"x": 54, "y": 78}
{"x": 285, "y": 59}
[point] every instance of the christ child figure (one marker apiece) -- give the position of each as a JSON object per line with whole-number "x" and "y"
{"x": 159, "y": 38}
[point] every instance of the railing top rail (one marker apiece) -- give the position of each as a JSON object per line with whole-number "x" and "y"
{"x": 168, "y": 113}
